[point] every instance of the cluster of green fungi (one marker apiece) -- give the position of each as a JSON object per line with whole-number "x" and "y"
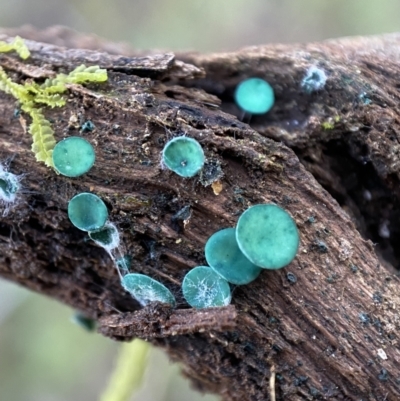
{"x": 265, "y": 237}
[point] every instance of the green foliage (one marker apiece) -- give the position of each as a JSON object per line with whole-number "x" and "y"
{"x": 50, "y": 93}
{"x": 42, "y": 135}
{"x": 17, "y": 45}
{"x": 129, "y": 371}
{"x": 83, "y": 74}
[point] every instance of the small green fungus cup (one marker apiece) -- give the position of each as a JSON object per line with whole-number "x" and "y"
{"x": 225, "y": 257}
{"x": 87, "y": 212}
{"x": 255, "y": 96}
{"x": 202, "y": 288}
{"x": 107, "y": 237}
{"x": 184, "y": 156}
{"x": 9, "y": 186}
{"x": 146, "y": 290}
{"x": 268, "y": 236}
{"x": 73, "y": 156}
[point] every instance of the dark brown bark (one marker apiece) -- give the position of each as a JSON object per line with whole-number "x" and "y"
{"x": 324, "y": 331}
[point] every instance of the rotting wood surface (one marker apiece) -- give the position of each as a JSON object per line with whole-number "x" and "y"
{"x": 328, "y": 323}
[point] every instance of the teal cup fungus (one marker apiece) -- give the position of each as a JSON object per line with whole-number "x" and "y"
{"x": 184, "y": 156}
{"x": 87, "y": 212}
{"x": 9, "y": 186}
{"x": 146, "y": 290}
{"x": 202, "y": 287}
{"x": 225, "y": 257}
{"x": 73, "y": 156}
{"x": 255, "y": 96}
{"x": 267, "y": 235}
{"x": 107, "y": 237}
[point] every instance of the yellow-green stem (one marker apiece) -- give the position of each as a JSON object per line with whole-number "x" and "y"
{"x": 128, "y": 373}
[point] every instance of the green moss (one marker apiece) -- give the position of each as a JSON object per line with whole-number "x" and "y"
{"x": 330, "y": 123}
{"x": 50, "y": 93}
{"x": 327, "y": 125}
{"x": 18, "y": 45}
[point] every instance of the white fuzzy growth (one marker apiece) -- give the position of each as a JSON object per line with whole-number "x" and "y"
{"x": 314, "y": 80}
{"x": 115, "y": 240}
{"x": 9, "y": 188}
{"x": 207, "y": 293}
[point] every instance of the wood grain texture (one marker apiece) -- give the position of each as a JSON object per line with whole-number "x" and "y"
{"x": 323, "y": 331}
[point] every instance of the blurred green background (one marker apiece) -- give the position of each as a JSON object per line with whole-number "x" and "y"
{"x": 43, "y": 356}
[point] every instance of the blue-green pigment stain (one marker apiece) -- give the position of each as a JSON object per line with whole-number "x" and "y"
{"x": 224, "y": 256}
{"x": 184, "y": 156}
{"x": 255, "y": 96}
{"x": 202, "y": 287}
{"x": 87, "y": 212}
{"x": 267, "y": 235}
{"x": 146, "y": 290}
{"x": 73, "y": 156}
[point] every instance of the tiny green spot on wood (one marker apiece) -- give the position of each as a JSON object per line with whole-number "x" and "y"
{"x": 87, "y": 212}
{"x": 73, "y": 156}
{"x": 224, "y": 256}
{"x": 146, "y": 290}
{"x": 255, "y": 96}
{"x": 184, "y": 156}
{"x": 202, "y": 287}
{"x": 267, "y": 235}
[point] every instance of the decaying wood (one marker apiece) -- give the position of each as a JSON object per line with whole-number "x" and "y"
{"x": 327, "y": 325}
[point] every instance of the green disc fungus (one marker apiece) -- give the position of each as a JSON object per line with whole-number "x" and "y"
{"x": 73, "y": 156}
{"x": 224, "y": 256}
{"x": 9, "y": 186}
{"x": 267, "y": 235}
{"x": 145, "y": 290}
{"x": 255, "y": 96}
{"x": 87, "y": 212}
{"x": 202, "y": 287}
{"x": 107, "y": 237}
{"x": 184, "y": 156}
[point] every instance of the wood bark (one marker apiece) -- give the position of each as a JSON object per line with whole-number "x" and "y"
{"x": 326, "y": 326}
